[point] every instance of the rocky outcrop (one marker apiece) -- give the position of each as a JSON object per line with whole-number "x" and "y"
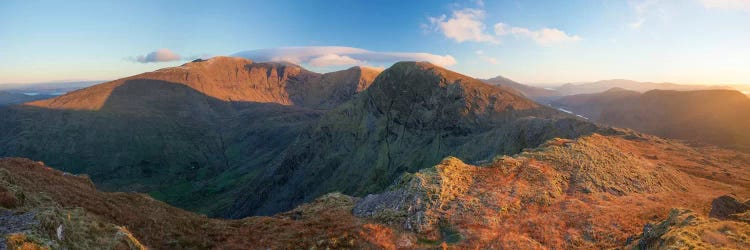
{"x": 332, "y": 89}
{"x": 685, "y": 229}
{"x": 726, "y": 206}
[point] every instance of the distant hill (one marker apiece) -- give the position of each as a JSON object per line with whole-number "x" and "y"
{"x": 538, "y": 94}
{"x": 590, "y": 105}
{"x": 600, "y": 86}
{"x": 12, "y": 98}
{"x": 47, "y": 88}
{"x": 720, "y": 117}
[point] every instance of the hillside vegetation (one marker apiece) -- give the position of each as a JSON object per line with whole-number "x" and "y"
{"x": 559, "y": 195}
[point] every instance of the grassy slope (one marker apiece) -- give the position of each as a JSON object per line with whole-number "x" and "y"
{"x": 592, "y": 192}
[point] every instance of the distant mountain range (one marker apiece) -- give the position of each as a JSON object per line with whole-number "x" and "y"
{"x": 720, "y": 117}
{"x": 17, "y": 93}
{"x": 545, "y": 95}
{"x": 538, "y": 94}
{"x": 600, "y": 86}
{"x": 50, "y": 88}
{"x": 11, "y": 98}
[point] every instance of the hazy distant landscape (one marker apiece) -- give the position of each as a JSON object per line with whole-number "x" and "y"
{"x": 450, "y": 125}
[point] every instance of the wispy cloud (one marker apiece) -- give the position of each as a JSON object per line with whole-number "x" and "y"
{"x": 160, "y": 55}
{"x": 727, "y": 4}
{"x": 485, "y": 58}
{"x": 326, "y": 56}
{"x": 463, "y": 26}
{"x": 544, "y": 36}
{"x": 641, "y": 8}
{"x": 467, "y": 25}
{"x": 647, "y": 11}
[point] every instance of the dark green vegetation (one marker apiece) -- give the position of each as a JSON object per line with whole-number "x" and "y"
{"x": 257, "y": 138}
{"x": 182, "y": 147}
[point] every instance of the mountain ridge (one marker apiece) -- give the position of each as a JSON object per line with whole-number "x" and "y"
{"x": 716, "y": 117}
{"x": 412, "y": 116}
{"x": 235, "y": 80}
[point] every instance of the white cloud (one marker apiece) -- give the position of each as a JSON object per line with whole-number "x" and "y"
{"x": 467, "y": 25}
{"x": 641, "y": 9}
{"x": 324, "y": 56}
{"x": 486, "y": 58}
{"x": 727, "y": 4}
{"x": 160, "y": 55}
{"x": 463, "y": 25}
{"x": 545, "y": 36}
{"x": 646, "y": 11}
{"x": 637, "y": 23}
{"x": 333, "y": 60}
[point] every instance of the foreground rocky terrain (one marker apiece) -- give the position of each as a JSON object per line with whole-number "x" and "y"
{"x": 597, "y": 191}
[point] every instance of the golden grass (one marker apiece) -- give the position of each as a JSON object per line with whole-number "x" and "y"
{"x": 566, "y": 194}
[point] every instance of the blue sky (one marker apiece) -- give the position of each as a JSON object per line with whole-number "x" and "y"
{"x": 686, "y": 41}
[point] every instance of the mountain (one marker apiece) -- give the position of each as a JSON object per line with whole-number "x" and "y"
{"x": 413, "y": 115}
{"x": 12, "y": 98}
{"x": 188, "y": 135}
{"x": 415, "y": 156}
{"x": 600, "y": 86}
{"x": 232, "y": 137}
{"x": 719, "y": 117}
{"x": 234, "y": 79}
{"x": 590, "y": 105}
{"x": 595, "y": 191}
{"x": 542, "y": 95}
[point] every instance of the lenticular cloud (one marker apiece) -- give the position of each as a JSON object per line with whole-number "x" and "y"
{"x": 323, "y": 56}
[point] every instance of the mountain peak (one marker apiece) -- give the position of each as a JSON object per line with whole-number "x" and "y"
{"x": 234, "y": 79}
{"x": 407, "y": 85}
